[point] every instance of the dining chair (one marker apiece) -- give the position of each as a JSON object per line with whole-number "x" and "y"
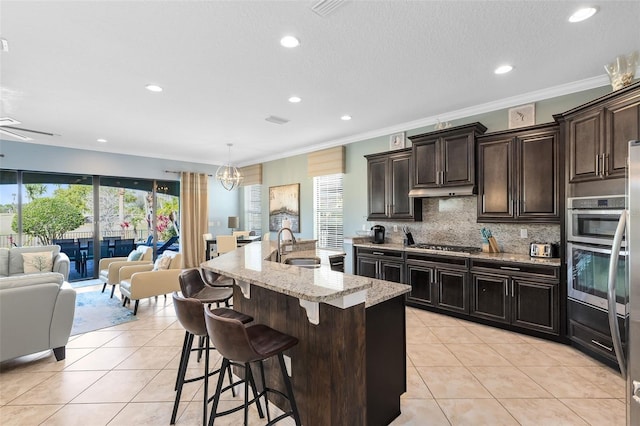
{"x": 226, "y": 243}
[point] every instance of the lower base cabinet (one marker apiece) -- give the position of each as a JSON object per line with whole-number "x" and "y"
{"x": 385, "y": 265}
{"x": 523, "y": 296}
{"x": 439, "y": 281}
{"x": 517, "y": 295}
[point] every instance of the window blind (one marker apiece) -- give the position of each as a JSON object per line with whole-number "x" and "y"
{"x": 251, "y": 175}
{"x": 253, "y": 208}
{"x": 326, "y": 162}
{"x": 327, "y": 208}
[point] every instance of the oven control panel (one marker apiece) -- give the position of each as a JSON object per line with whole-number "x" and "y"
{"x": 598, "y": 203}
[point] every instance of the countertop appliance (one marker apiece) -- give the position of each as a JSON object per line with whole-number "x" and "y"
{"x": 629, "y": 222}
{"x": 377, "y": 234}
{"x": 593, "y": 220}
{"x": 547, "y": 250}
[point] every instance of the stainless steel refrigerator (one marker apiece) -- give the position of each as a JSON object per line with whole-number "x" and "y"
{"x": 633, "y": 278}
{"x": 629, "y": 225}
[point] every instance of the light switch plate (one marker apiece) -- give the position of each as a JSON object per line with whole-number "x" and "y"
{"x": 523, "y": 233}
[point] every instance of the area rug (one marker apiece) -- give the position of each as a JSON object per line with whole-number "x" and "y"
{"x": 85, "y": 283}
{"x": 96, "y": 310}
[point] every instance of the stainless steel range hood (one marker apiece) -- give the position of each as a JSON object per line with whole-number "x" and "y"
{"x": 451, "y": 191}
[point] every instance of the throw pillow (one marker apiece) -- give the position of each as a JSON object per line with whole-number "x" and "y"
{"x": 39, "y": 261}
{"x": 134, "y": 255}
{"x": 162, "y": 262}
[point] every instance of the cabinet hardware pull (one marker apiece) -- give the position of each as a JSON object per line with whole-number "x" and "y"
{"x": 513, "y": 292}
{"x": 605, "y": 164}
{"x": 437, "y": 178}
{"x": 597, "y": 165}
{"x": 595, "y": 342}
{"x": 509, "y": 268}
{"x": 442, "y": 178}
{"x": 506, "y": 290}
{"x": 377, "y": 253}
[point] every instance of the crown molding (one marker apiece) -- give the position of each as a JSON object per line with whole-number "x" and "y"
{"x": 525, "y": 98}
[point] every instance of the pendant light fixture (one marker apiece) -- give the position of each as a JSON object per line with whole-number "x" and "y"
{"x": 228, "y": 175}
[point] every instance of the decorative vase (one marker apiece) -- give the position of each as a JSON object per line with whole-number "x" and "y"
{"x": 622, "y": 70}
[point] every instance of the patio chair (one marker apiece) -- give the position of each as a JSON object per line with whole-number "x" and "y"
{"x": 123, "y": 247}
{"x": 167, "y": 244}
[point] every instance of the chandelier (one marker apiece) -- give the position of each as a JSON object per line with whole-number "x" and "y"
{"x": 228, "y": 175}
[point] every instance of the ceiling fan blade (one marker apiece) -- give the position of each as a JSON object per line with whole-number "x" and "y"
{"x": 31, "y": 131}
{"x": 15, "y": 135}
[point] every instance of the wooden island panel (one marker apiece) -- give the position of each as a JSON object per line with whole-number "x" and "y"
{"x": 328, "y": 364}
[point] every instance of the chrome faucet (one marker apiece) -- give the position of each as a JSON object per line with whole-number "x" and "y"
{"x": 293, "y": 241}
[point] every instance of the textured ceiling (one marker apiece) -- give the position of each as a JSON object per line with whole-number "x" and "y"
{"x": 78, "y": 69}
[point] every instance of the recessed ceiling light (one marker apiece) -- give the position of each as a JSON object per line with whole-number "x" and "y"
{"x": 289, "y": 41}
{"x": 153, "y": 88}
{"x": 101, "y": 140}
{"x": 294, "y": 99}
{"x": 345, "y": 118}
{"x": 503, "y": 69}
{"x": 582, "y": 14}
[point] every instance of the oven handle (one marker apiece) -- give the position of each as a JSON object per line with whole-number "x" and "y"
{"x": 611, "y": 293}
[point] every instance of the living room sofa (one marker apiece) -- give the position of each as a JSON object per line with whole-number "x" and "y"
{"x": 12, "y": 261}
{"x": 36, "y": 306}
{"x": 36, "y": 314}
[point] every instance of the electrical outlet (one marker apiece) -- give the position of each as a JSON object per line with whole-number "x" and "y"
{"x": 395, "y": 228}
{"x": 523, "y": 232}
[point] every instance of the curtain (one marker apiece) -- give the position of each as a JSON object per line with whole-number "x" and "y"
{"x": 194, "y": 220}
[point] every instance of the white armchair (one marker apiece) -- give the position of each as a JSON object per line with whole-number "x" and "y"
{"x": 141, "y": 281}
{"x": 110, "y": 267}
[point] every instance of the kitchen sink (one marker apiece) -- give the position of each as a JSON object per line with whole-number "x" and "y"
{"x": 305, "y": 262}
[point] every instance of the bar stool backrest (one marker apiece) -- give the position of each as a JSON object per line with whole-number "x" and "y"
{"x": 191, "y": 282}
{"x": 190, "y": 313}
{"x": 209, "y": 276}
{"x": 230, "y": 338}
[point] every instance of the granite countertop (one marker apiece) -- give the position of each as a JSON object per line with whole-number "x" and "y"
{"x": 500, "y": 257}
{"x": 252, "y": 263}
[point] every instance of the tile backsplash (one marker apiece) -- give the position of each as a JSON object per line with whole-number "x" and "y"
{"x": 453, "y": 221}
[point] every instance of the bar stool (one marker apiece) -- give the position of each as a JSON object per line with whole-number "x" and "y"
{"x": 214, "y": 279}
{"x": 192, "y": 285}
{"x": 255, "y": 343}
{"x": 190, "y": 313}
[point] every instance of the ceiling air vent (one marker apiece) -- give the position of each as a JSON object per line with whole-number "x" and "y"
{"x": 8, "y": 121}
{"x": 325, "y": 7}
{"x": 276, "y": 120}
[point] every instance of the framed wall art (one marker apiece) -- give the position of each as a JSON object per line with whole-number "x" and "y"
{"x": 522, "y": 116}
{"x": 397, "y": 140}
{"x": 284, "y": 204}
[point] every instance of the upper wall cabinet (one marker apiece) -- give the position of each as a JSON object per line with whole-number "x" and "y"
{"x": 389, "y": 178}
{"x": 518, "y": 175}
{"x": 597, "y": 135}
{"x": 445, "y": 158}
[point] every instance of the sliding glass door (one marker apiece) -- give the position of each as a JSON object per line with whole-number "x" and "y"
{"x": 90, "y": 217}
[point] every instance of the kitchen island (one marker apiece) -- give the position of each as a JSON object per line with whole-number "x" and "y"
{"x": 349, "y": 366}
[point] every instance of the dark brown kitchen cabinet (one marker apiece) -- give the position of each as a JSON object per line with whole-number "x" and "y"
{"x": 445, "y": 158}
{"x": 385, "y": 265}
{"x": 597, "y": 135}
{"x": 438, "y": 281}
{"x": 521, "y": 295}
{"x": 519, "y": 175}
{"x": 389, "y": 179}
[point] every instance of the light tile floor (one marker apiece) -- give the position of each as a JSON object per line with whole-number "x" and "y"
{"x": 458, "y": 373}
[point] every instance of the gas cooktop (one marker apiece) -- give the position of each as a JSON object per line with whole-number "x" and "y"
{"x": 443, "y": 247}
